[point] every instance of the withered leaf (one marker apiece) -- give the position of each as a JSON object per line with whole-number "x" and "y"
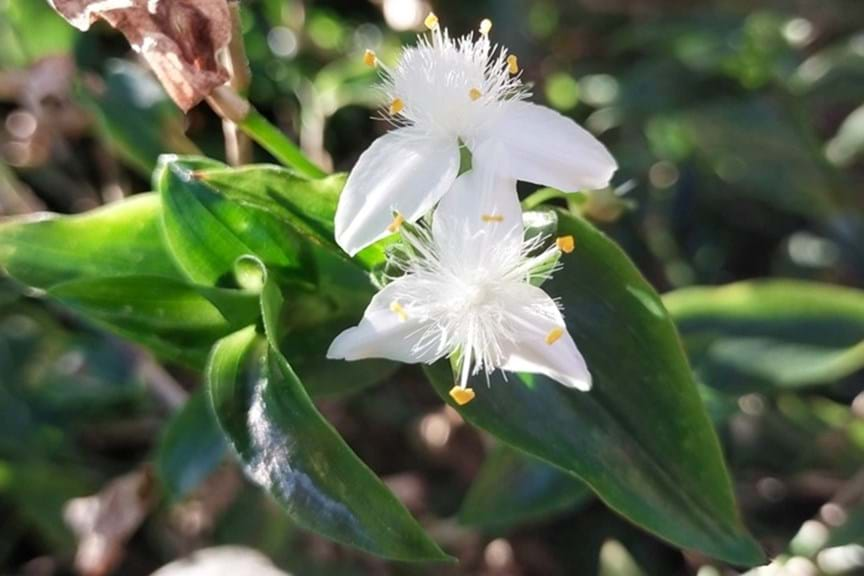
{"x": 179, "y": 39}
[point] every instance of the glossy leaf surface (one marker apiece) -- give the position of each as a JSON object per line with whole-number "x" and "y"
{"x": 289, "y": 449}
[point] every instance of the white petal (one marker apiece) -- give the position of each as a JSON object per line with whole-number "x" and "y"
{"x": 383, "y": 333}
{"x": 559, "y": 360}
{"x": 404, "y": 171}
{"x": 481, "y": 201}
{"x": 536, "y": 144}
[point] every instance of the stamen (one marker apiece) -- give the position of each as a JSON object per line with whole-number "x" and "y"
{"x": 461, "y": 395}
{"x": 485, "y": 26}
{"x": 554, "y": 335}
{"x": 399, "y": 310}
{"x": 565, "y": 243}
{"x": 397, "y": 222}
{"x": 431, "y": 21}
{"x": 369, "y": 58}
{"x": 513, "y": 64}
{"x": 492, "y": 218}
{"x": 396, "y": 106}
{"x": 475, "y": 94}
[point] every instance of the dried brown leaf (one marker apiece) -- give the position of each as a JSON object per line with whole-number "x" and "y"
{"x": 179, "y": 39}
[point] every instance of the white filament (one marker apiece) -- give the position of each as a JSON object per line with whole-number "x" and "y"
{"x": 470, "y": 302}
{"x": 436, "y": 79}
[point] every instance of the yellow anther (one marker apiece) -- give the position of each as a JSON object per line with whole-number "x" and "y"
{"x": 461, "y": 395}
{"x": 492, "y": 218}
{"x": 396, "y": 106}
{"x": 475, "y": 94}
{"x": 554, "y": 335}
{"x": 513, "y": 64}
{"x": 369, "y": 58}
{"x": 399, "y": 310}
{"x": 565, "y": 244}
{"x": 431, "y": 21}
{"x": 485, "y": 26}
{"x": 397, "y": 222}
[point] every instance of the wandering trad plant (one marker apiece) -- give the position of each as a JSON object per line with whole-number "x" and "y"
{"x": 241, "y": 273}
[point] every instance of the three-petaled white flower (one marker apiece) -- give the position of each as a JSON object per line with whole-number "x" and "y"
{"x": 467, "y": 291}
{"x": 444, "y": 92}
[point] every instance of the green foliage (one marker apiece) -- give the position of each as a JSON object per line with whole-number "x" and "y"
{"x": 207, "y": 233}
{"x": 738, "y": 131}
{"x": 122, "y": 239}
{"x": 767, "y": 335}
{"x": 288, "y": 448}
{"x": 191, "y": 448}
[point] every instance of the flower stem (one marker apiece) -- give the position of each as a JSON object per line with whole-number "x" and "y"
{"x": 274, "y": 141}
{"x": 230, "y": 105}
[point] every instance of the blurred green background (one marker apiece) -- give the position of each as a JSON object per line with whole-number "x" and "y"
{"x": 739, "y": 129}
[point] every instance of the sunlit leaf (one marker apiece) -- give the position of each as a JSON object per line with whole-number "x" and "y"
{"x": 117, "y": 240}
{"x": 307, "y": 206}
{"x": 207, "y": 232}
{"x": 175, "y": 319}
{"x": 289, "y": 449}
{"x": 772, "y": 333}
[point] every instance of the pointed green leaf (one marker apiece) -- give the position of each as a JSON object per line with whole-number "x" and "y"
{"x": 175, "y": 319}
{"x": 513, "y": 488}
{"x": 207, "y": 232}
{"x": 641, "y": 438}
{"x": 120, "y": 239}
{"x": 307, "y": 206}
{"x": 288, "y": 448}
{"x": 773, "y": 333}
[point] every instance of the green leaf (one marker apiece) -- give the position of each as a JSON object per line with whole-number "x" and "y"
{"x": 176, "y": 320}
{"x": 192, "y": 446}
{"x": 120, "y": 239}
{"x": 288, "y": 448}
{"x": 135, "y": 115}
{"x": 513, "y": 488}
{"x": 207, "y": 232}
{"x": 771, "y": 334}
{"x": 30, "y": 31}
{"x": 303, "y": 328}
{"x": 308, "y": 206}
{"x": 641, "y": 438}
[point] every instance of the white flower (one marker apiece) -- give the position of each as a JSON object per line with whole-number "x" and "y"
{"x": 467, "y": 291}
{"x": 445, "y": 91}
